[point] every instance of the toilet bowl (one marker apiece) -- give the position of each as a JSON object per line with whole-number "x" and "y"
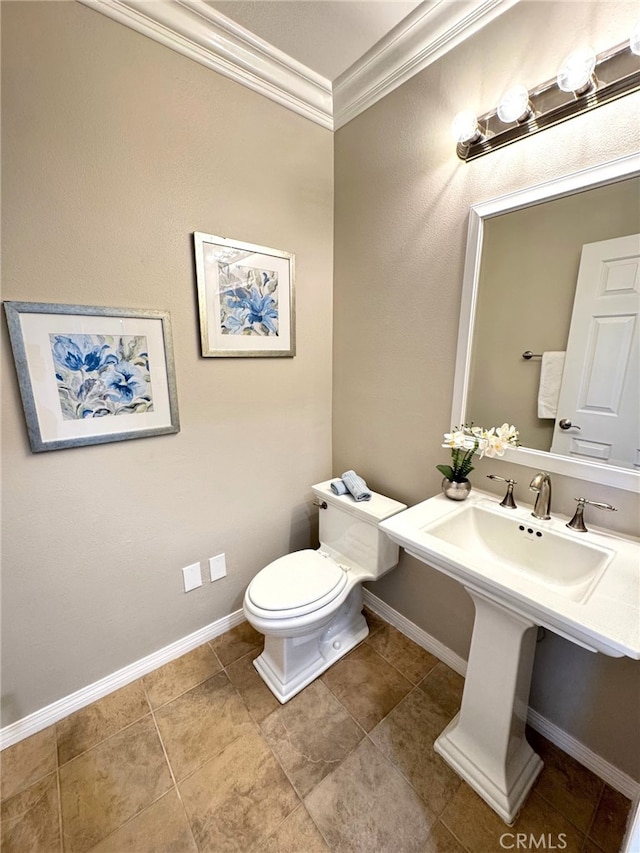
{"x": 308, "y": 604}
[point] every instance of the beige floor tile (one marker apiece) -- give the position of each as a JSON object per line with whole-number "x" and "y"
{"x": 406, "y": 737}
{"x": 27, "y": 761}
{"x": 161, "y": 828}
{"x": 480, "y": 830}
{"x": 566, "y": 784}
{"x": 100, "y": 720}
{"x": 30, "y": 821}
{"x": 444, "y": 687}
{"x": 412, "y": 661}
{"x": 311, "y": 735}
{"x": 367, "y": 685}
{"x": 200, "y": 723}
{"x": 365, "y": 805}
{"x": 176, "y": 677}
{"x": 110, "y": 783}
{"x": 610, "y": 820}
{"x": 297, "y": 834}
{"x": 237, "y": 642}
{"x": 440, "y": 840}
{"x": 256, "y": 695}
{"x": 238, "y": 797}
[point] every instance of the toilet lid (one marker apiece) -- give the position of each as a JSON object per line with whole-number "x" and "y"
{"x": 302, "y": 581}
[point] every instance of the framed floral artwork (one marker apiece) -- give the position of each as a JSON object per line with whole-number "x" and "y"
{"x": 92, "y": 375}
{"x": 245, "y": 297}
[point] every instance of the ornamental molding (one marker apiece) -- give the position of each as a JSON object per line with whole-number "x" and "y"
{"x": 198, "y": 31}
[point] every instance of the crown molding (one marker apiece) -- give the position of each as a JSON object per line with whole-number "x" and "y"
{"x": 198, "y": 31}
{"x": 433, "y": 28}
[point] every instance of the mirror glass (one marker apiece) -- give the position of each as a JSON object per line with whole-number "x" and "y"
{"x": 523, "y": 262}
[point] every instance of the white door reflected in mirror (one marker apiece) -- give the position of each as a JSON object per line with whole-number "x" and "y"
{"x": 599, "y": 400}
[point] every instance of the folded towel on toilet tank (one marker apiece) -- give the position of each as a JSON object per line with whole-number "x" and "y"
{"x": 338, "y": 487}
{"x": 356, "y": 486}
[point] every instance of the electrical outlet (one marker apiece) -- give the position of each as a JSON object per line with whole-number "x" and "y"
{"x": 217, "y": 567}
{"x": 192, "y": 577}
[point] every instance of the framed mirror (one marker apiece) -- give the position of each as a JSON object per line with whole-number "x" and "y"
{"x": 520, "y": 294}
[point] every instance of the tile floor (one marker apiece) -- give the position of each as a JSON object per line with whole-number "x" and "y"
{"x": 199, "y": 756}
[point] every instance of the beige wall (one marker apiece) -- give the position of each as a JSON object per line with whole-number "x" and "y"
{"x": 402, "y": 201}
{"x": 528, "y": 275}
{"x": 115, "y": 149}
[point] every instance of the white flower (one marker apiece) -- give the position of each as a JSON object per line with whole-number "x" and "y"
{"x": 455, "y": 439}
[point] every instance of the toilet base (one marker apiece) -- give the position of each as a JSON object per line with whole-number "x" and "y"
{"x": 288, "y": 664}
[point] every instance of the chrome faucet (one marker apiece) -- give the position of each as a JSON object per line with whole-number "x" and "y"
{"x": 541, "y": 484}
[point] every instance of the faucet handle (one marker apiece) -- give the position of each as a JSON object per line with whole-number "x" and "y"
{"x": 577, "y": 522}
{"x": 508, "y": 500}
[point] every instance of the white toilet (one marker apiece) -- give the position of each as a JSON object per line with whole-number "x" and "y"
{"x": 309, "y": 604}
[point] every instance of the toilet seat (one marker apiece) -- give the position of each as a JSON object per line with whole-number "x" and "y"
{"x": 295, "y": 585}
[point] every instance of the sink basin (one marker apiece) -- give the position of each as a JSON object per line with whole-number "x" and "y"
{"x": 569, "y": 566}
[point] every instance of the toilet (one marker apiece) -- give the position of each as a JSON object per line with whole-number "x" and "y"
{"x": 308, "y": 604}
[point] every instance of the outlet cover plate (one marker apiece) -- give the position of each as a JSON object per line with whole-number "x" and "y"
{"x": 192, "y": 577}
{"x": 217, "y": 567}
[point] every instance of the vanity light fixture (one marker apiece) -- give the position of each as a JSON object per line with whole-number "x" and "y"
{"x": 584, "y": 81}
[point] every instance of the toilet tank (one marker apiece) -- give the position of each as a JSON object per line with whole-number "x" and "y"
{"x": 350, "y": 528}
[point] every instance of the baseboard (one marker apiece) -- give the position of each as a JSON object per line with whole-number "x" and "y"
{"x": 585, "y": 756}
{"x": 85, "y": 696}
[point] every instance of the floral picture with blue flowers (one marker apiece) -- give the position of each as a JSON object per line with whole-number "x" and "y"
{"x": 246, "y": 298}
{"x": 84, "y": 372}
{"x": 102, "y": 375}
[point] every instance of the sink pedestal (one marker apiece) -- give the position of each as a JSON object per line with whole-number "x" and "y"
{"x": 485, "y": 743}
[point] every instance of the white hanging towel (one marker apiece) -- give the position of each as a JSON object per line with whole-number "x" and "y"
{"x": 550, "y": 381}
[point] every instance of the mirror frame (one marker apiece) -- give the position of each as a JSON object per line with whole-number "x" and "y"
{"x": 586, "y": 179}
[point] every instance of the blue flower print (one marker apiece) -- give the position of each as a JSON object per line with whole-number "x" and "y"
{"x": 81, "y": 353}
{"x": 124, "y": 381}
{"x": 99, "y": 376}
{"x": 248, "y": 300}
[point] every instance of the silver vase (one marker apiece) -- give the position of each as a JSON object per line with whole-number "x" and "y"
{"x": 456, "y": 491}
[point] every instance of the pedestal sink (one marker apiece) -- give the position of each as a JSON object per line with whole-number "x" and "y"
{"x": 521, "y": 573}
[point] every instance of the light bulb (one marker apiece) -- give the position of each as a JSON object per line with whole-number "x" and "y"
{"x": 464, "y": 128}
{"x": 514, "y": 105}
{"x": 634, "y": 41}
{"x": 576, "y": 72}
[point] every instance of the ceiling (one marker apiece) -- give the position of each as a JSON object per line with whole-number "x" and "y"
{"x": 327, "y": 60}
{"x": 327, "y": 36}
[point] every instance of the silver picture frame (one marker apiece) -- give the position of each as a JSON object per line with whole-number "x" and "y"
{"x": 246, "y": 298}
{"x": 92, "y": 375}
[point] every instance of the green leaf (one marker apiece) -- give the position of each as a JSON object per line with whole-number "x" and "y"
{"x": 446, "y": 470}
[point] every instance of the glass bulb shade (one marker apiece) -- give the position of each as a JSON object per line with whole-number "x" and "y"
{"x": 464, "y": 127}
{"x": 577, "y": 70}
{"x": 514, "y": 105}
{"x": 634, "y": 41}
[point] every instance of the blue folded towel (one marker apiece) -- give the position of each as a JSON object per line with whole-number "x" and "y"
{"x": 356, "y": 486}
{"x": 338, "y": 487}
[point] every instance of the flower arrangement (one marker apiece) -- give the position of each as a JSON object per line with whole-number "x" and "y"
{"x": 467, "y": 440}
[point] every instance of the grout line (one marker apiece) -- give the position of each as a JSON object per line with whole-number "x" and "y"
{"x": 173, "y": 777}
{"x": 129, "y": 819}
{"x": 60, "y": 826}
{"x": 595, "y": 811}
{"x": 104, "y": 739}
